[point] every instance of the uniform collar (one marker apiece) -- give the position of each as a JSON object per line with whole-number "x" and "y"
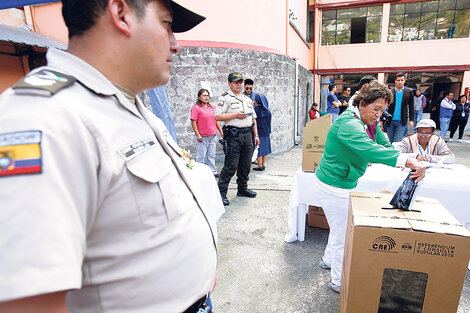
{"x": 230, "y": 92}
{"x": 87, "y": 75}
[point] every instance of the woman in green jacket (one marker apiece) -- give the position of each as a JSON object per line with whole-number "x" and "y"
{"x": 354, "y": 140}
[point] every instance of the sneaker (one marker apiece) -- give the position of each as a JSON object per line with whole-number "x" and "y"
{"x": 460, "y": 141}
{"x": 450, "y": 140}
{"x": 323, "y": 265}
{"x": 335, "y": 288}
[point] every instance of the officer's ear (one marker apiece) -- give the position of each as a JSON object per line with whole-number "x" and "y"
{"x": 121, "y": 15}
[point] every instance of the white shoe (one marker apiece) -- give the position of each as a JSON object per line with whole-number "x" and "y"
{"x": 460, "y": 141}
{"x": 323, "y": 265}
{"x": 450, "y": 140}
{"x": 335, "y": 288}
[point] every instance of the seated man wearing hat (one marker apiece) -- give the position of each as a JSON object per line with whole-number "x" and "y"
{"x": 427, "y": 146}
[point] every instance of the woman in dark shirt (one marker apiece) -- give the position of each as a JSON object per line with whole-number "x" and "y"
{"x": 263, "y": 121}
{"x": 459, "y": 117}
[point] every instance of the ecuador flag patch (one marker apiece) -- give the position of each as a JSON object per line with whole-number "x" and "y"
{"x": 20, "y": 153}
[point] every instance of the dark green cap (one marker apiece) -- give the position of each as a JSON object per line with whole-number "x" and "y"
{"x": 234, "y": 77}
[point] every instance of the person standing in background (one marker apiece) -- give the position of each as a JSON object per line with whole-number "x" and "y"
{"x": 420, "y": 103}
{"x": 401, "y": 109}
{"x": 313, "y": 113}
{"x": 446, "y": 112}
{"x": 263, "y": 121}
{"x": 459, "y": 117}
{"x": 249, "y": 89}
{"x": 333, "y": 103}
{"x": 236, "y": 110}
{"x": 344, "y": 99}
{"x": 205, "y": 127}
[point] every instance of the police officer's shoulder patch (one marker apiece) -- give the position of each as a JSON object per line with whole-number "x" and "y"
{"x": 20, "y": 153}
{"x": 44, "y": 82}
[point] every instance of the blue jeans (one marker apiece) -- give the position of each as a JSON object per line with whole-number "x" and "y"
{"x": 444, "y": 121}
{"x": 418, "y": 116}
{"x": 396, "y": 131}
{"x": 334, "y": 116}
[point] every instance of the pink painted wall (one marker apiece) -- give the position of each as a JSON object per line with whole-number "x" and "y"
{"x": 48, "y": 21}
{"x": 12, "y": 17}
{"x": 259, "y": 25}
{"x": 12, "y": 71}
{"x": 395, "y": 54}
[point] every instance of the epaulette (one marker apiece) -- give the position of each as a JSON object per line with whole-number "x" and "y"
{"x": 224, "y": 94}
{"x": 45, "y": 82}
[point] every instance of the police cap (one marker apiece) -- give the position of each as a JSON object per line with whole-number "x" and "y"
{"x": 234, "y": 77}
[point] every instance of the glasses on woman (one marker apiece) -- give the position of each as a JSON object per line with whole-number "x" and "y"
{"x": 424, "y": 134}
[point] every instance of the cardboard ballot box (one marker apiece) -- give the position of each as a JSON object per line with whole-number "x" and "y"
{"x": 314, "y": 137}
{"x": 402, "y": 261}
{"x": 316, "y": 217}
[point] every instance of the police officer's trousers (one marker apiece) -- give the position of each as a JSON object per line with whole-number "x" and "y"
{"x": 237, "y": 159}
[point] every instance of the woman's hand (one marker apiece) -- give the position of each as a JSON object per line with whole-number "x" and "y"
{"x": 422, "y": 158}
{"x": 199, "y": 138}
{"x": 418, "y": 167}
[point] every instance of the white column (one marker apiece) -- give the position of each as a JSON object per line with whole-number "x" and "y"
{"x": 385, "y": 22}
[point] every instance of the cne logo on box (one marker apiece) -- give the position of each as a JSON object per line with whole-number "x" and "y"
{"x": 383, "y": 244}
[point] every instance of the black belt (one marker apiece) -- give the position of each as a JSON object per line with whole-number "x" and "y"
{"x": 241, "y": 130}
{"x": 199, "y": 304}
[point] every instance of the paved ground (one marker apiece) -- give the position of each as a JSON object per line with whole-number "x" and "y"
{"x": 257, "y": 271}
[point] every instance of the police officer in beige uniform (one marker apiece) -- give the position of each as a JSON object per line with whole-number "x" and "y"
{"x": 99, "y": 211}
{"x": 236, "y": 110}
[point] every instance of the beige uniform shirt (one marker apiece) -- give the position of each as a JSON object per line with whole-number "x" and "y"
{"x": 110, "y": 212}
{"x": 230, "y": 103}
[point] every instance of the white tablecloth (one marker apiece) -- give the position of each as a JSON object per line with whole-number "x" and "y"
{"x": 451, "y": 186}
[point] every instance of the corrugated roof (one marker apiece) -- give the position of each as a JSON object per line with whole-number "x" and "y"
{"x": 19, "y": 35}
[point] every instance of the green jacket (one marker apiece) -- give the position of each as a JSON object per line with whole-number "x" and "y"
{"x": 348, "y": 150}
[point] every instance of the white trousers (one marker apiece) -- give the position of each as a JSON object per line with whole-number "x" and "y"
{"x": 205, "y": 151}
{"x": 336, "y": 208}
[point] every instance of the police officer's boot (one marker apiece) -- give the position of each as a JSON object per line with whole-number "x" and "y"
{"x": 246, "y": 193}
{"x": 225, "y": 200}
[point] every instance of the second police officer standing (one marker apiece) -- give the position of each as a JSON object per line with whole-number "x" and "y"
{"x": 236, "y": 110}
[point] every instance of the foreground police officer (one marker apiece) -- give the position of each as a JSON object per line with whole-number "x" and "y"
{"x": 105, "y": 209}
{"x": 236, "y": 110}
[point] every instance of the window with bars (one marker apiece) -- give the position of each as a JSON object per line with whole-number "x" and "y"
{"x": 351, "y": 25}
{"x": 429, "y": 20}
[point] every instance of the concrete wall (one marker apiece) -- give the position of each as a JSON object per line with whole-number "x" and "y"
{"x": 274, "y": 76}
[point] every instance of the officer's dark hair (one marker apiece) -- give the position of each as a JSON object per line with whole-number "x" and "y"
{"x": 371, "y": 92}
{"x": 249, "y": 81}
{"x": 81, "y": 15}
{"x": 399, "y": 74}
{"x": 331, "y": 86}
{"x": 365, "y": 80}
{"x": 447, "y": 93}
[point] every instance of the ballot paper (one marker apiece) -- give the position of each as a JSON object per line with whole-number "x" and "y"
{"x": 405, "y": 195}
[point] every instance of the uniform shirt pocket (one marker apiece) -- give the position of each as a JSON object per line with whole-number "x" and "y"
{"x": 145, "y": 172}
{"x": 235, "y": 106}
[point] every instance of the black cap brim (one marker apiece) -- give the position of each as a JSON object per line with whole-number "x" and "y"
{"x": 184, "y": 19}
